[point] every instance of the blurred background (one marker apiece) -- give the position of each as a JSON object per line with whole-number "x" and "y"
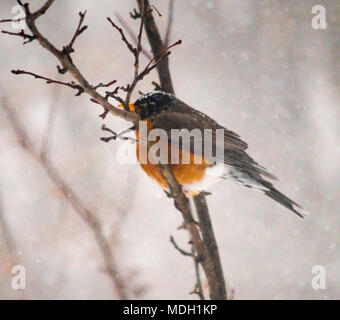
{"x": 259, "y": 68}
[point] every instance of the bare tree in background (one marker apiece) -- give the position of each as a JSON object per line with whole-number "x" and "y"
{"x": 205, "y": 250}
{"x": 89, "y": 217}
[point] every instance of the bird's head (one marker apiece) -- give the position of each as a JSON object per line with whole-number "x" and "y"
{"x": 151, "y": 103}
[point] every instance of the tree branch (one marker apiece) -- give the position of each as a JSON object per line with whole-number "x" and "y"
{"x": 21, "y": 34}
{"x": 210, "y": 261}
{"x": 69, "y": 48}
{"x": 132, "y": 35}
{"x": 72, "y": 85}
{"x": 181, "y": 251}
{"x": 157, "y": 48}
{"x": 198, "y": 289}
{"x": 210, "y": 241}
{"x": 66, "y": 62}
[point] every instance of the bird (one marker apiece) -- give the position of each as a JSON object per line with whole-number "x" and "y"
{"x": 164, "y": 111}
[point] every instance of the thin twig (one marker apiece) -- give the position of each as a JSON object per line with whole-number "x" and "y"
{"x": 12, "y": 20}
{"x": 72, "y": 85}
{"x": 158, "y": 59}
{"x": 104, "y": 85}
{"x": 181, "y": 251}
{"x": 78, "y": 32}
{"x": 198, "y": 285}
{"x": 144, "y": 12}
{"x": 132, "y": 34}
{"x": 157, "y": 47}
{"x": 120, "y": 30}
{"x": 198, "y": 289}
{"x": 21, "y": 34}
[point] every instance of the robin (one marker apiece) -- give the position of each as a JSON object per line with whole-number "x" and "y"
{"x": 164, "y": 111}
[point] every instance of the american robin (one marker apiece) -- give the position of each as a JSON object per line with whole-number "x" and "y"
{"x": 164, "y": 111}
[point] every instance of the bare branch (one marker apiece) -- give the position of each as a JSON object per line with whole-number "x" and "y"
{"x": 113, "y": 94}
{"x": 157, "y": 47}
{"x": 208, "y": 261}
{"x": 132, "y": 35}
{"x": 21, "y": 34}
{"x": 67, "y": 64}
{"x": 120, "y": 30}
{"x": 181, "y": 251}
{"x": 210, "y": 241}
{"x": 198, "y": 285}
{"x": 144, "y": 12}
{"x": 105, "y": 85}
{"x": 68, "y": 49}
{"x": 48, "y": 80}
{"x": 40, "y": 11}
{"x": 158, "y": 59}
{"x": 12, "y": 20}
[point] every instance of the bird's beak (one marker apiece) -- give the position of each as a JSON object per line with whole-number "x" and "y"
{"x": 131, "y": 106}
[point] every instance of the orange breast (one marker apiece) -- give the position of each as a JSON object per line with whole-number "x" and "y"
{"x": 187, "y": 173}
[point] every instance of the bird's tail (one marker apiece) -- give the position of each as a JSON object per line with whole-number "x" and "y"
{"x": 255, "y": 182}
{"x": 279, "y": 197}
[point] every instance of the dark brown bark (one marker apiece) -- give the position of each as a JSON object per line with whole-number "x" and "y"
{"x": 157, "y": 48}
{"x": 208, "y": 236}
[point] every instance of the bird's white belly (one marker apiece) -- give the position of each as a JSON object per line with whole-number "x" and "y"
{"x": 211, "y": 176}
{"x": 223, "y": 171}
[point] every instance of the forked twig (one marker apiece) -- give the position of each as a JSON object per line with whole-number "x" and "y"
{"x": 21, "y": 34}
{"x": 131, "y": 34}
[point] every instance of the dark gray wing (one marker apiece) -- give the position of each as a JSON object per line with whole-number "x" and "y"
{"x": 227, "y": 147}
